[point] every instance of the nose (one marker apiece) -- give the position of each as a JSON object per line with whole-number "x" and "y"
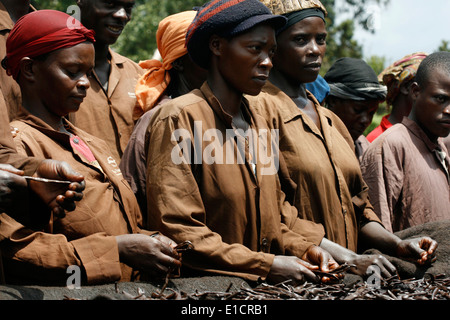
{"x": 366, "y": 118}
{"x": 121, "y": 14}
{"x": 266, "y": 62}
{"x": 447, "y": 109}
{"x": 83, "y": 82}
{"x": 313, "y": 48}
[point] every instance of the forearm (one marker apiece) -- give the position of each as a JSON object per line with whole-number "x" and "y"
{"x": 339, "y": 253}
{"x": 44, "y": 257}
{"x": 376, "y": 236}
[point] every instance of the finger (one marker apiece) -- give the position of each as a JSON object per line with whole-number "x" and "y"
{"x": 390, "y": 268}
{"x": 432, "y": 247}
{"x": 77, "y": 186}
{"x": 66, "y": 171}
{"x": 167, "y": 249}
{"x": 73, "y": 196}
{"x": 386, "y": 268}
{"x": 307, "y": 264}
{"x": 58, "y": 212}
{"x": 310, "y": 276}
{"x": 65, "y": 203}
{"x": 9, "y": 168}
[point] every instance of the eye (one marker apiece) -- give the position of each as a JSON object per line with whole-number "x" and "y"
{"x": 301, "y": 40}
{"x": 109, "y": 3}
{"x": 441, "y": 98}
{"x": 322, "y": 39}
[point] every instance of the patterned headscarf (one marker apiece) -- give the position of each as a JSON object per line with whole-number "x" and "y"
{"x": 400, "y": 72}
{"x": 171, "y": 40}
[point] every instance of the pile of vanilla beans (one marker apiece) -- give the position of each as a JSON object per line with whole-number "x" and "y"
{"x": 428, "y": 288}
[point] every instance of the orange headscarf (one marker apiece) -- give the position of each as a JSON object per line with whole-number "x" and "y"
{"x": 170, "y": 39}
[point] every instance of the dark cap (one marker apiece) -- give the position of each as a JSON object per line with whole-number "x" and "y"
{"x": 226, "y": 18}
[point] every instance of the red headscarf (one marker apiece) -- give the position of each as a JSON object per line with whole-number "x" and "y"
{"x": 41, "y": 32}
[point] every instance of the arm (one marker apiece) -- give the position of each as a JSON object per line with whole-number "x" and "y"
{"x": 36, "y": 256}
{"x": 420, "y": 250}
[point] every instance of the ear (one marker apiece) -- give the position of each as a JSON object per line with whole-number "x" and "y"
{"x": 415, "y": 90}
{"x": 178, "y": 65}
{"x": 26, "y": 69}
{"x": 405, "y": 88}
{"x": 215, "y": 45}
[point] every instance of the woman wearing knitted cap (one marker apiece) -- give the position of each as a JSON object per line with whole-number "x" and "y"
{"x": 355, "y": 95}
{"x": 205, "y": 182}
{"x": 51, "y": 64}
{"x": 318, "y": 149}
{"x": 174, "y": 76}
{"x": 398, "y": 78}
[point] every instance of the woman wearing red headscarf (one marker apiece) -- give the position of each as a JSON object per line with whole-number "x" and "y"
{"x": 51, "y": 64}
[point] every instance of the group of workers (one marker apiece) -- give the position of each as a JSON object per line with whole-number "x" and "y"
{"x": 231, "y": 141}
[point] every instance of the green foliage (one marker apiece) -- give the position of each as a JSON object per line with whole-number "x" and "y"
{"x": 445, "y": 46}
{"x": 138, "y": 39}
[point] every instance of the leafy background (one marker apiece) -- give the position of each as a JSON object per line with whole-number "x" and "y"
{"x": 137, "y": 42}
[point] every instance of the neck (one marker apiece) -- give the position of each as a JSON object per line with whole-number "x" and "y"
{"x": 229, "y": 99}
{"x": 292, "y": 88}
{"x": 16, "y": 8}
{"x": 431, "y": 136}
{"x": 37, "y": 109}
{"x": 400, "y": 108}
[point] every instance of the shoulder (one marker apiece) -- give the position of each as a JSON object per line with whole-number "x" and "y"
{"x": 23, "y": 130}
{"x": 394, "y": 141}
{"x": 129, "y": 64}
{"x": 182, "y": 104}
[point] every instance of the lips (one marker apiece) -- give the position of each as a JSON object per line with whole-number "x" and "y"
{"x": 79, "y": 99}
{"x": 313, "y": 66}
{"x": 261, "y": 78}
{"x": 445, "y": 123}
{"x": 115, "y": 28}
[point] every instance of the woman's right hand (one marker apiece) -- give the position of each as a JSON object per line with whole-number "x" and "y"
{"x": 291, "y": 268}
{"x": 153, "y": 254}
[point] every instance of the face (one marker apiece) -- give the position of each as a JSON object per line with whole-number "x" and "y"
{"x": 62, "y": 78}
{"x": 431, "y": 108}
{"x": 246, "y": 60}
{"x": 107, "y": 18}
{"x": 356, "y": 115}
{"x": 301, "y": 49}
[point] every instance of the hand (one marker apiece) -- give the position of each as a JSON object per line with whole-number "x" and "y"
{"x": 13, "y": 192}
{"x": 364, "y": 261}
{"x": 323, "y": 259}
{"x": 291, "y": 268}
{"x": 154, "y": 255}
{"x": 58, "y": 197}
{"x": 420, "y": 250}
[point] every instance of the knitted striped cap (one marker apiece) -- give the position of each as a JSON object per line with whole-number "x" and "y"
{"x": 226, "y": 18}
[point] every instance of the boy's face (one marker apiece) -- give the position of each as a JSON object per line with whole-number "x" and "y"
{"x": 431, "y": 109}
{"x": 107, "y": 18}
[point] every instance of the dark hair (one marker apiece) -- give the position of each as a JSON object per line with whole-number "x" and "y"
{"x": 437, "y": 60}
